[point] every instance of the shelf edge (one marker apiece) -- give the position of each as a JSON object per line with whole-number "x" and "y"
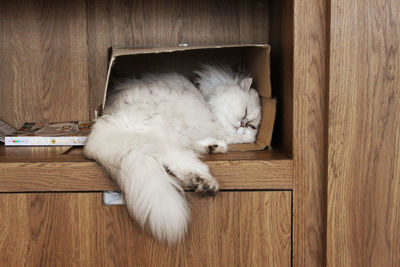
{"x": 89, "y": 176}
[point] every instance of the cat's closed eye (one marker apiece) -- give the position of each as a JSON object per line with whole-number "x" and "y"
{"x": 245, "y": 124}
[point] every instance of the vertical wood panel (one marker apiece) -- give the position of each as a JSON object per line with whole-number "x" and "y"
{"x": 364, "y": 134}
{"x": 233, "y": 229}
{"x": 43, "y": 61}
{"x": 281, "y": 41}
{"x": 310, "y": 92}
{"x": 168, "y": 23}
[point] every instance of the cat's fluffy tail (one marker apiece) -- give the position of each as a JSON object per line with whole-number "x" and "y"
{"x": 153, "y": 197}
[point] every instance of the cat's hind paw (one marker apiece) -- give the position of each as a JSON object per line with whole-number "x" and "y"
{"x": 205, "y": 187}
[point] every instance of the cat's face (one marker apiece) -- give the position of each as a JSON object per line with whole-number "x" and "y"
{"x": 238, "y": 110}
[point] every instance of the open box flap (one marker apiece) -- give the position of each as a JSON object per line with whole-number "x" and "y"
{"x": 110, "y": 65}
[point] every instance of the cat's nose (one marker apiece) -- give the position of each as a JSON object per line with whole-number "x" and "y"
{"x": 242, "y": 124}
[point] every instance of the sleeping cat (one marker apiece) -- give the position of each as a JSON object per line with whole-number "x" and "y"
{"x": 153, "y": 130}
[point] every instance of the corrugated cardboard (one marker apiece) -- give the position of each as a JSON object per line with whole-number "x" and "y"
{"x": 127, "y": 62}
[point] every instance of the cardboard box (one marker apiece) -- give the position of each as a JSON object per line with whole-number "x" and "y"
{"x": 128, "y": 62}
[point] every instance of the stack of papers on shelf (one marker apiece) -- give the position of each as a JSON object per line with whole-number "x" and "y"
{"x": 73, "y": 133}
{"x": 5, "y": 130}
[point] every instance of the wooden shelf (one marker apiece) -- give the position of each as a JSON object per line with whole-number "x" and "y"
{"x": 33, "y": 169}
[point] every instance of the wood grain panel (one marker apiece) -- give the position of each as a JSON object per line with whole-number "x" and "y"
{"x": 168, "y": 23}
{"x": 309, "y": 117}
{"x": 43, "y": 61}
{"x": 233, "y": 229}
{"x": 364, "y": 134}
{"x": 89, "y": 176}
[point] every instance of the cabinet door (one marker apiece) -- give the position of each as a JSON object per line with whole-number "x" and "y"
{"x": 364, "y": 134}
{"x": 76, "y": 229}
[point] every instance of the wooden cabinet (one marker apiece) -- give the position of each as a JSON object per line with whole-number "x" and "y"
{"x": 76, "y": 229}
{"x": 52, "y": 214}
{"x": 335, "y": 163}
{"x": 53, "y": 58}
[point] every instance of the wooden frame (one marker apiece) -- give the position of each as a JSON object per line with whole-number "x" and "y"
{"x": 300, "y": 81}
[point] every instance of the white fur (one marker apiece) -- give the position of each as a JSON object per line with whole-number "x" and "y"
{"x": 161, "y": 123}
{"x": 228, "y": 95}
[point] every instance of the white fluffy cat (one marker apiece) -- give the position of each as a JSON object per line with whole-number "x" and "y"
{"x": 153, "y": 130}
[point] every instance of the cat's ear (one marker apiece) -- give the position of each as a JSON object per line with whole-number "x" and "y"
{"x": 245, "y": 84}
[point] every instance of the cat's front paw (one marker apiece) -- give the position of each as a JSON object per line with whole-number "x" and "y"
{"x": 210, "y": 146}
{"x": 217, "y": 148}
{"x": 206, "y": 187}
